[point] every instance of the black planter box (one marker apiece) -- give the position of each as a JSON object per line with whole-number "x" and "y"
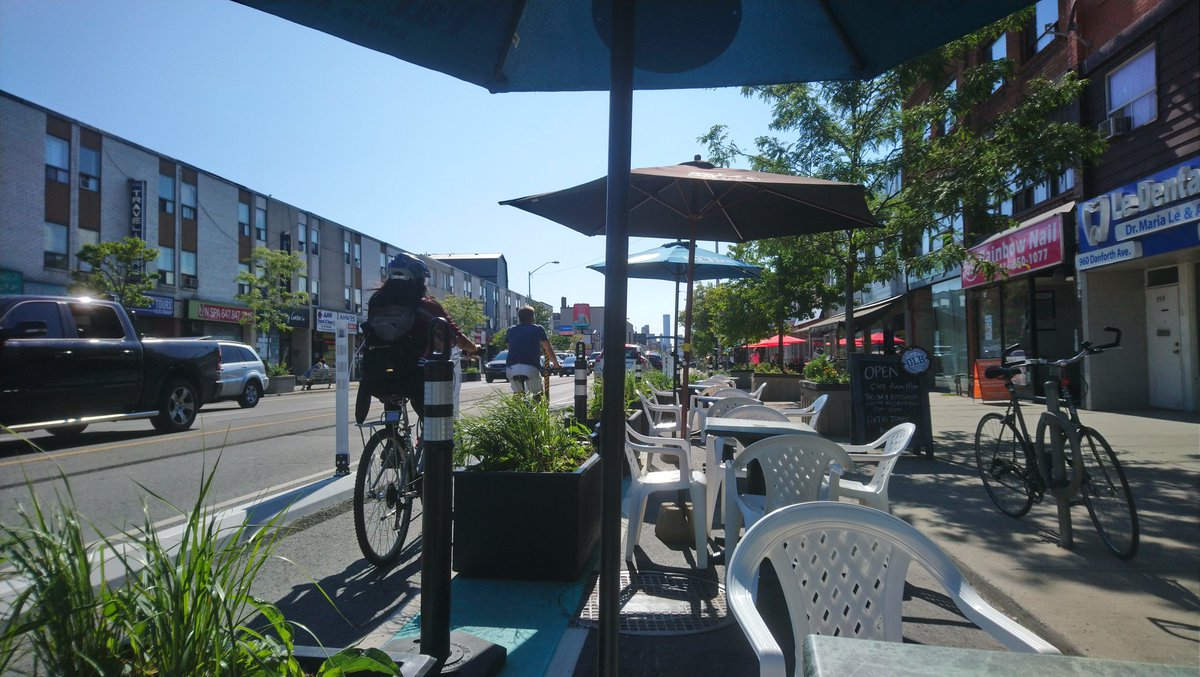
{"x": 526, "y": 525}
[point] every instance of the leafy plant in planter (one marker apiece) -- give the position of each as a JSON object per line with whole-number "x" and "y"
{"x": 512, "y": 434}
{"x": 527, "y": 506}
{"x": 823, "y": 369}
{"x": 279, "y": 369}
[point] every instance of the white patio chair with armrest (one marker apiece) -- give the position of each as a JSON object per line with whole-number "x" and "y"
{"x": 810, "y": 414}
{"x": 714, "y": 472}
{"x": 720, "y": 408}
{"x": 661, "y": 419}
{"x": 665, "y": 396}
{"x": 883, "y": 452}
{"x": 645, "y": 482}
{"x": 842, "y": 569}
{"x": 757, "y": 393}
{"x": 696, "y": 406}
{"x": 794, "y": 469}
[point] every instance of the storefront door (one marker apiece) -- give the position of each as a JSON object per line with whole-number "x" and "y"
{"x": 1163, "y": 347}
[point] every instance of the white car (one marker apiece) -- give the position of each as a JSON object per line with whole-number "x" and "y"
{"x": 243, "y": 374}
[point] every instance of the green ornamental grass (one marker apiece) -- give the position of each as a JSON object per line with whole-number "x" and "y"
{"x": 516, "y": 434}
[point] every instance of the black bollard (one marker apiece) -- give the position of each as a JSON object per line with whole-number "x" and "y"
{"x": 462, "y": 654}
{"x": 581, "y": 374}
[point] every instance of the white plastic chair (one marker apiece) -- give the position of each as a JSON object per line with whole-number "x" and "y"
{"x": 794, "y": 469}
{"x": 657, "y": 420}
{"x": 842, "y": 568}
{"x": 714, "y": 472}
{"x": 719, "y": 409}
{"x": 757, "y": 394}
{"x": 698, "y": 407}
{"x": 665, "y": 396}
{"x": 645, "y": 482}
{"x": 810, "y": 414}
{"x": 883, "y": 452}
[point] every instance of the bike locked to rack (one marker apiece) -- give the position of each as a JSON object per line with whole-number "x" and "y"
{"x": 1056, "y": 431}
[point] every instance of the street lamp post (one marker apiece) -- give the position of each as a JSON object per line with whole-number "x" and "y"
{"x": 529, "y": 279}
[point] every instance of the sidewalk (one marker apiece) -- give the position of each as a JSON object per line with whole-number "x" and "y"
{"x": 1084, "y": 601}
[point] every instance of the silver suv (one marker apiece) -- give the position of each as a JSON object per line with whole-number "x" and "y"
{"x": 243, "y": 374}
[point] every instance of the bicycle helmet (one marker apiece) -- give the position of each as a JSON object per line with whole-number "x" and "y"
{"x": 407, "y": 267}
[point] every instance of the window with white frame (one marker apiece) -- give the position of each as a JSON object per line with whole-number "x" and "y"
{"x": 316, "y": 238}
{"x": 302, "y": 282}
{"x": 357, "y": 300}
{"x": 243, "y": 288}
{"x": 58, "y": 159}
{"x": 54, "y": 246}
{"x": 358, "y": 255}
{"x": 302, "y": 232}
{"x": 346, "y": 250}
{"x": 89, "y": 168}
{"x": 314, "y": 290}
{"x": 166, "y": 265}
{"x": 1133, "y": 89}
{"x": 260, "y": 218}
{"x": 346, "y": 298}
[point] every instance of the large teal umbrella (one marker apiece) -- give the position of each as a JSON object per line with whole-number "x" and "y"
{"x": 671, "y": 262}
{"x": 622, "y": 45}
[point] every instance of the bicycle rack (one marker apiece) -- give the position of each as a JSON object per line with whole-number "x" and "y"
{"x": 1061, "y": 430}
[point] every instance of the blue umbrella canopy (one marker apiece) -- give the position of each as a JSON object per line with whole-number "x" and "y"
{"x": 670, "y": 262}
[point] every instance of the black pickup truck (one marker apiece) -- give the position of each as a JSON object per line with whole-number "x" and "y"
{"x": 68, "y": 362}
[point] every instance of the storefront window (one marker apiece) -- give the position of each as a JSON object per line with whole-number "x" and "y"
{"x": 949, "y": 331}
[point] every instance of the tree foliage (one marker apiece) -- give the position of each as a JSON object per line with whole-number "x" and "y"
{"x": 874, "y": 132}
{"x": 269, "y": 293}
{"x": 467, "y": 313}
{"x": 118, "y": 269}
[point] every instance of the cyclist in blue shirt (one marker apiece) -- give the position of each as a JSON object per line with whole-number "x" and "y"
{"x": 526, "y": 344}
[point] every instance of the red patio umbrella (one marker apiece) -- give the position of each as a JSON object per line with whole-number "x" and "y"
{"x": 773, "y": 342}
{"x": 876, "y": 337}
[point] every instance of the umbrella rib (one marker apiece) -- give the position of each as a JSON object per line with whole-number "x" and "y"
{"x": 839, "y": 29}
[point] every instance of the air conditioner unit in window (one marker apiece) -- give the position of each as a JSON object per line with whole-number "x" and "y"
{"x": 190, "y": 282}
{"x": 1115, "y": 125}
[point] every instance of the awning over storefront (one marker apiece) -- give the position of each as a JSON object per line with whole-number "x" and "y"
{"x": 863, "y": 315}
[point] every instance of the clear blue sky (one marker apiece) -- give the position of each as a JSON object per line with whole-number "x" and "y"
{"x": 398, "y": 152}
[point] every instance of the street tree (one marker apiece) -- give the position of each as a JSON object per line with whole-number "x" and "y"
{"x": 269, "y": 293}
{"x": 118, "y": 269}
{"x": 467, "y": 313}
{"x": 909, "y": 122}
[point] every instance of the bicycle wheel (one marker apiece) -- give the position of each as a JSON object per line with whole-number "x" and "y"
{"x": 382, "y": 498}
{"x": 1000, "y": 455}
{"x": 1107, "y": 495}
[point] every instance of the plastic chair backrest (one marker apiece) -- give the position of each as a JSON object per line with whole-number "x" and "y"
{"x": 792, "y": 466}
{"x": 813, "y": 411}
{"x": 842, "y": 569}
{"x": 757, "y": 412}
{"x": 721, "y": 408}
{"x": 894, "y": 442}
{"x": 730, "y": 392}
{"x": 636, "y": 442}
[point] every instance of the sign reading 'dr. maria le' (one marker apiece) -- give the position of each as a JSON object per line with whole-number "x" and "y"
{"x": 1141, "y": 219}
{"x": 884, "y": 394}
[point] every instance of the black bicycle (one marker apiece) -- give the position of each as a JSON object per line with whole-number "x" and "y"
{"x": 386, "y": 485}
{"x": 1066, "y": 458}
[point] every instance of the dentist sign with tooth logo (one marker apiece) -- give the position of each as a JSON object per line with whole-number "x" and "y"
{"x": 1156, "y": 215}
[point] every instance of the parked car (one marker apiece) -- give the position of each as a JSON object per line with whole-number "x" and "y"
{"x": 243, "y": 374}
{"x": 495, "y": 368}
{"x": 568, "y": 365}
{"x": 655, "y": 360}
{"x": 65, "y": 359}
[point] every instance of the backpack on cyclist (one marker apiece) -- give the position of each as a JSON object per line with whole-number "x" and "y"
{"x": 391, "y": 351}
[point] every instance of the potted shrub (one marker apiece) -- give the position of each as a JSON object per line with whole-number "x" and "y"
{"x": 782, "y": 386}
{"x": 826, "y": 376}
{"x": 742, "y": 374}
{"x": 526, "y": 494}
{"x": 471, "y": 374}
{"x": 281, "y": 379}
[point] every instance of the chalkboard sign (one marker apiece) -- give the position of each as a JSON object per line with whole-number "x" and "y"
{"x": 882, "y": 395}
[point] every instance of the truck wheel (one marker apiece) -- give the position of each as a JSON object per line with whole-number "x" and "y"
{"x": 177, "y": 408}
{"x": 66, "y": 432}
{"x": 250, "y": 395}
{"x": 490, "y": 378}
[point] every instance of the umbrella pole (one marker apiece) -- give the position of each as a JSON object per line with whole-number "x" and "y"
{"x": 675, "y": 340}
{"x": 612, "y": 416}
{"x": 684, "y": 400}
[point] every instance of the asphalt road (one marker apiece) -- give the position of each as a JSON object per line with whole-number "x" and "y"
{"x": 113, "y": 468}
